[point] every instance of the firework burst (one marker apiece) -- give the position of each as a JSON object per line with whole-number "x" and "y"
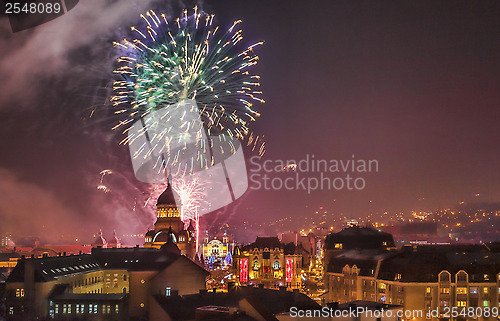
{"x": 190, "y": 191}
{"x": 167, "y": 61}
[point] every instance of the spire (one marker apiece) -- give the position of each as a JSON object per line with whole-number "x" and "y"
{"x": 114, "y": 242}
{"x": 99, "y": 241}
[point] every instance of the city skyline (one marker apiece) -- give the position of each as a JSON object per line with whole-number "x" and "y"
{"x": 413, "y": 86}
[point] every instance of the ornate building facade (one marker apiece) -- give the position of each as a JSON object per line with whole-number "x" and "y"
{"x": 169, "y": 225}
{"x": 269, "y": 262}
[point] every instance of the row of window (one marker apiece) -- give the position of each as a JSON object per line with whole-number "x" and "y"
{"x": 462, "y": 276}
{"x": 85, "y": 282}
{"x": 72, "y": 268}
{"x": 461, "y": 290}
{"x": 67, "y": 308}
{"x": 462, "y": 303}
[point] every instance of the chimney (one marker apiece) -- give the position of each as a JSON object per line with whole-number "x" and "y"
{"x": 80, "y": 252}
{"x": 64, "y": 253}
{"x": 44, "y": 255}
{"x": 214, "y": 290}
{"x": 29, "y": 287}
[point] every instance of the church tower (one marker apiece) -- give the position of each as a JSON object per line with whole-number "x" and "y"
{"x": 169, "y": 226}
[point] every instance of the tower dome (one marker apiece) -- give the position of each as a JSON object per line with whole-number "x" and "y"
{"x": 114, "y": 241}
{"x": 169, "y": 196}
{"x": 100, "y": 241}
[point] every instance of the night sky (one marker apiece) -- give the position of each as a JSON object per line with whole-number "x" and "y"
{"x": 414, "y": 85}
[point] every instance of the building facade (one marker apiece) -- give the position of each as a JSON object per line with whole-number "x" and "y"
{"x": 218, "y": 251}
{"x": 110, "y": 283}
{"x": 269, "y": 262}
{"x": 426, "y": 278}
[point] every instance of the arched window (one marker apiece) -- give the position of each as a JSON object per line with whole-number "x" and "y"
{"x": 444, "y": 277}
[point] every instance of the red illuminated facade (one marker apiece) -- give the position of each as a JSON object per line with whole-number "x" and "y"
{"x": 289, "y": 270}
{"x": 244, "y": 270}
{"x": 270, "y": 263}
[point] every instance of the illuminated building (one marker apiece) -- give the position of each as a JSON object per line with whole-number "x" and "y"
{"x": 218, "y": 251}
{"x": 269, "y": 262}
{"x": 110, "y": 283}
{"x": 418, "y": 277}
{"x": 169, "y": 225}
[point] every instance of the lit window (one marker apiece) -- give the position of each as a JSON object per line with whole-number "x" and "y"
{"x": 473, "y": 290}
{"x": 167, "y": 292}
{"x": 95, "y": 308}
{"x": 461, "y": 303}
{"x": 486, "y": 303}
{"x": 444, "y": 303}
{"x": 56, "y": 308}
{"x": 69, "y": 308}
{"x": 486, "y": 277}
{"x": 461, "y": 290}
{"x": 445, "y": 290}
{"x": 117, "y": 309}
{"x": 485, "y": 290}
{"x": 338, "y": 246}
{"x": 428, "y": 290}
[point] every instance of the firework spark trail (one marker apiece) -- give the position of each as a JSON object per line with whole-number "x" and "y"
{"x": 170, "y": 60}
{"x": 101, "y": 185}
{"x": 192, "y": 197}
